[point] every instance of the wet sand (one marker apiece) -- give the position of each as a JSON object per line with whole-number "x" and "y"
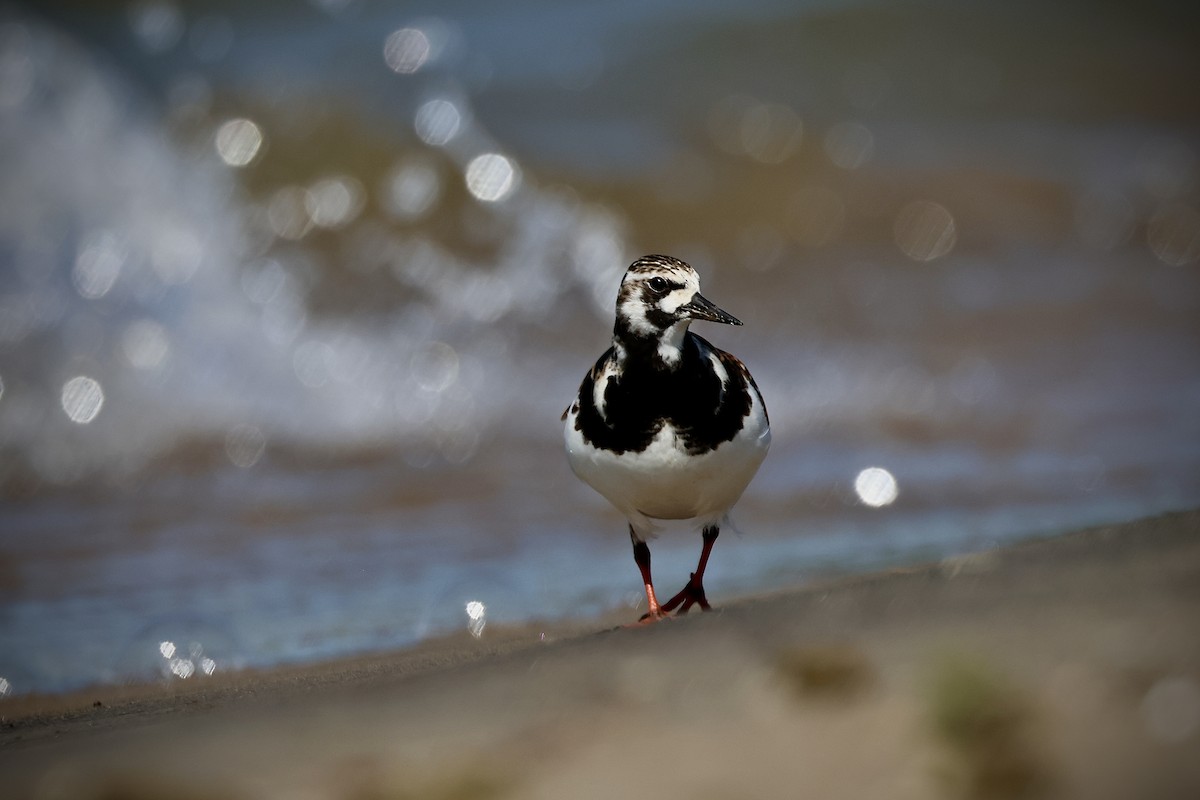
{"x": 1068, "y": 667}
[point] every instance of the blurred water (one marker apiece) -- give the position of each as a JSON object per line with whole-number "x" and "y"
{"x": 291, "y": 300}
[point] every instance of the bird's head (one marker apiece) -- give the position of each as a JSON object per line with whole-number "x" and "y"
{"x": 659, "y": 297}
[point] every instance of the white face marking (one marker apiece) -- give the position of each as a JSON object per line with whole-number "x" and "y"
{"x": 635, "y": 313}
{"x": 671, "y": 301}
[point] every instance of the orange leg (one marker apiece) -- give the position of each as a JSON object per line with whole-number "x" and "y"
{"x": 693, "y": 592}
{"x": 641, "y": 556}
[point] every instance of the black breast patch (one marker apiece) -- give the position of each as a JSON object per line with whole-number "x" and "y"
{"x": 647, "y": 395}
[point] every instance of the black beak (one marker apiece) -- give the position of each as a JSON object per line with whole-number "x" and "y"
{"x": 699, "y": 307}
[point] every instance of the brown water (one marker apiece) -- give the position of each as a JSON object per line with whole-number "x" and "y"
{"x": 291, "y": 300}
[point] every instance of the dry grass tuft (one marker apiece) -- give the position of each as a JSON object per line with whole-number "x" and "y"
{"x": 835, "y": 671}
{"x": 986, "y": 725}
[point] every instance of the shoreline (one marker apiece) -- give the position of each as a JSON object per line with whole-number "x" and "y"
{"x": 1080, "y": 637}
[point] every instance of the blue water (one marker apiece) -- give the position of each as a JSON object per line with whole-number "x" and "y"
{"x": 309, "y": 406}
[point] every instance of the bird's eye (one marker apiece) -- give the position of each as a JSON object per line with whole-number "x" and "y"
{"x": 657, "y": 285}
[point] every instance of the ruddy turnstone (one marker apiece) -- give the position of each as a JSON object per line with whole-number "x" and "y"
{"x": 666, "y": 426}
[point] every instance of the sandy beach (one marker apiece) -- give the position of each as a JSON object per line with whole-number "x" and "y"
{"x": 1065, "y": 667}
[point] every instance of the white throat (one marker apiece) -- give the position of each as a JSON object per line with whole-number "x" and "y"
{"x": 670, "y": 344}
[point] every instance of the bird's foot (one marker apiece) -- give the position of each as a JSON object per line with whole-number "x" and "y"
{"x": 650, "y": 617}
{"x": 691, "y": 594}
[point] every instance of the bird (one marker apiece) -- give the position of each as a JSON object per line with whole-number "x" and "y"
{"x": 665, "y": 425}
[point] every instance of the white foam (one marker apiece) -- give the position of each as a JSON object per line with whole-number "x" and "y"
{"x": 191, "y": 332}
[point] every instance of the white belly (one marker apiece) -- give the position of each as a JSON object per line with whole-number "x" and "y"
{"x": 664, "y": 481}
